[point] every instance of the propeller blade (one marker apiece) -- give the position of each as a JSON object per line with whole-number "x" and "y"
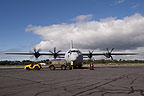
{"x": 58, "y": 51}
{"x": 50, "y": 51}
{"x": 36, "y": 53}
{"x": 39, "y": 50}
{"x": 108, "y": 53}
{"x": 107, "y": 50}
{"x": 112, "y": 49}
{"x": 54, "y": 49}
{"x": 90, "y": 54}
{"x": 111, "y": 57}
{"x": 55, "y": 53}
{"x": 34, "y": 50}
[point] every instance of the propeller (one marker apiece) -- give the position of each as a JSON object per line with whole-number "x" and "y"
{"x": 55, "y": 52}
{"x": 36, "y": 53}
{"x": 90, "y": 54}
{"x": 108, "y": 53}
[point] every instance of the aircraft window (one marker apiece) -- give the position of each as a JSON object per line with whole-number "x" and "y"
{"x": 75, "y": 51}
{"x": 69, "y": 51}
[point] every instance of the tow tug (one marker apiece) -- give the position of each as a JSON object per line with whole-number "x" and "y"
{"x": 33, "y": 67}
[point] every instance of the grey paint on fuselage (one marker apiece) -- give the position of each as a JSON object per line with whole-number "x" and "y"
{"x": 74, "y": 55}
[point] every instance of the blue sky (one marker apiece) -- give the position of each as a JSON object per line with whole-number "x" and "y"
{"x": 16, "y": 15}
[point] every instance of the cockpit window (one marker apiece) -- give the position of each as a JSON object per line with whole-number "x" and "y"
{"x": 74, "y": 51}
{"x": 69, "y": 51}
{"x": 77, "y": 51}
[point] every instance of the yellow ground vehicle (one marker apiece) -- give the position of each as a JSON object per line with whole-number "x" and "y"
{"x": 33, "y": 66}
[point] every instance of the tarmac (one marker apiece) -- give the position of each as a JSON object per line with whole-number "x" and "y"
{"x": 102, "y": 81}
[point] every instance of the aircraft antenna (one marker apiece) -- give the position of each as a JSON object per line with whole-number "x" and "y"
{"x": 72, "y": 44}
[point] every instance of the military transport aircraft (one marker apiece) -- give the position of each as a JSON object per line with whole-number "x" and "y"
{"x": 72, "y": 54}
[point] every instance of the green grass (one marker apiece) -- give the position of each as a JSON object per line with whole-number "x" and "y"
{"x": 109, "y": 64}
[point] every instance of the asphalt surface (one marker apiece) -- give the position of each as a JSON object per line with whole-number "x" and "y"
{"x": 103, "y": 81}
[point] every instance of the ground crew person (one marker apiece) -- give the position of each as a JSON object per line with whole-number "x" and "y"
{"x": 72, "y": 65}
{"x": 91, "y": 66}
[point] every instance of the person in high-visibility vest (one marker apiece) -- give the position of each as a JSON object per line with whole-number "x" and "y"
{"x": 72, "y": 65}
{"x": 91, "y": 66}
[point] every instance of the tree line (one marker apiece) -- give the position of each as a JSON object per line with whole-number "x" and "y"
{"x": 24, "y": 62}
{"x": 102, "y": 61}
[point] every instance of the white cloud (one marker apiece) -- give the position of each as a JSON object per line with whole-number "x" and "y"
{"x": 117, "y": 2}
{"x": 120, "y": 1}
{"x": 83, "y": 18}
{"x": 126, "y": 33}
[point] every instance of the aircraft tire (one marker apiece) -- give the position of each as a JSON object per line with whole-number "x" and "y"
{"x": 70, "y": 68}
{"x": 63, "y": 67}
{"x": 79, "y": 66}
{"x": 52, "y": 67}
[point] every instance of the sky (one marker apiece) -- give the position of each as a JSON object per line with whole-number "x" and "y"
{"x": 91, "y": 24}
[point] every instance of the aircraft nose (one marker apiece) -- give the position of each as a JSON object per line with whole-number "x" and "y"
{"x": 74, "y": 57}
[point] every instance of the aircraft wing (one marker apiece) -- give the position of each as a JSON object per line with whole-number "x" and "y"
{"x": 107, "y": 54}
{"x": 86, "y": 53}
{"x": 124, "y": 53}
{"x": 95, "y": 54}
{"x": 31, "y": 53}
{"x": 19, "y": 53}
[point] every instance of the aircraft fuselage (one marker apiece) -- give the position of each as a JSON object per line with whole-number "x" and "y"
{"x": 74, "y": 55}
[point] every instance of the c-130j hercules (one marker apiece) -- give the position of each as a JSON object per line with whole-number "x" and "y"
{"x": 72, "y": 54}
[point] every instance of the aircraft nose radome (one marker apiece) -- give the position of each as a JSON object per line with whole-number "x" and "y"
{"x": 74, "y": 57}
